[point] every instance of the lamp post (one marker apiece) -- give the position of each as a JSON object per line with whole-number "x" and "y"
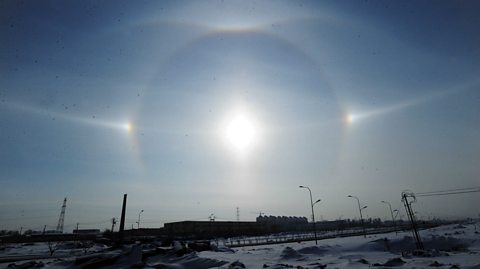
{"x": 313, "y": 213}
{"x": 360, "y": 210}
{"x": 138, "y": 222}
{"x": 395, "y": 217}
{"x": 391, "y": 212}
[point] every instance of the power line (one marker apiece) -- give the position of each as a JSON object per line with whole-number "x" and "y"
{"x": 447, "y": 193}
{"x": 26, "y": 218}
{"x": 452, "y": 190}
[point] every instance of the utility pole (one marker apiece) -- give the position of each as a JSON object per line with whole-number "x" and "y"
{"x": 411, "y": 216}
{"x": 238, "y": 214}
{"x": 138, "y": 222}
{"x": 114, "y": 221}
{"x": 76, "y": 234}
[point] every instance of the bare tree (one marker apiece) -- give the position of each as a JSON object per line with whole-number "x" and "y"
{"x": 52, "y": 246}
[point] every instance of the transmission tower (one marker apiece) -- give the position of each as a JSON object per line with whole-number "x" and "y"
{"x": 61, "y": 219}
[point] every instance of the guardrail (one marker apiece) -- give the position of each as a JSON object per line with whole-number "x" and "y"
{"x": 297, "y": 237}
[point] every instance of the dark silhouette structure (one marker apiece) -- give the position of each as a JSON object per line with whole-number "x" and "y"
{"x": 411, "y": 216}
{"x": 122, "y": 218}
{"x": 284, "y": 223}
{"x": 61, "y": 219}
{"x": 212, "y": 229}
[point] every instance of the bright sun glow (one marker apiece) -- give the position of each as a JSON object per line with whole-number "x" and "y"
{"x": 240, "y": 133}
{"x": 127, "y": 126}
{"x": 350, "y": 118}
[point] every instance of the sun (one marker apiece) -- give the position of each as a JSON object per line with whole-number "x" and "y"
{"x": 240, "y": 133}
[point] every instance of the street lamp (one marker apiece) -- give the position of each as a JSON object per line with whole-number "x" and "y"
{"x": 395, "y": 217}
{"x": 313, "y": 213}
{"x": 138, "y": 222}
{"x": 360, "y": 210}
{"x": 391, "y": 212}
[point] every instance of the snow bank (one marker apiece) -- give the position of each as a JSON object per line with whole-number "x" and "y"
{"x": 407, "y": 243}
{"x": 289, "y": 253}
{"x": 319, "y": 250}
{"x": 190, "y": 260}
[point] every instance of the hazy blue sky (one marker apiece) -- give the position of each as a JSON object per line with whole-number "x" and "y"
{"x": 369, "y": 98}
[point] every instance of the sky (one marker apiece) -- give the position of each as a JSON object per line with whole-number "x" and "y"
{"x": 196, "y": 108}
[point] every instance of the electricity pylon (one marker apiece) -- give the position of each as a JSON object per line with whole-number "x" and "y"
{"x": 61, "y": 219}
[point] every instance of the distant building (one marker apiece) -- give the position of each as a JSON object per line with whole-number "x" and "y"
{"x": 211, "y": 229}
{"x": 333, "y": 225}
{"x": 284, "y": 223}
{"x": 145, "y": 232}
{"x": 86, "y": 231}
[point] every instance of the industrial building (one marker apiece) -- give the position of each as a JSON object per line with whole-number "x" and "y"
{"x": 210, "y": 229}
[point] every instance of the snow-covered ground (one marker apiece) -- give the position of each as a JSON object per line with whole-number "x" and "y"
{"x": 451, "y": 246}
{"x": 448, "y": 246}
